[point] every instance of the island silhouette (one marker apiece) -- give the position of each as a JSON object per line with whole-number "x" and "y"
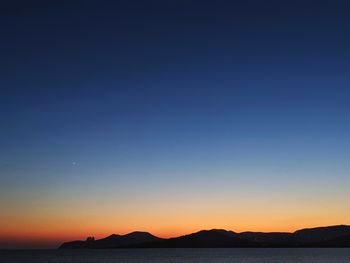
{"x": 329, "y": 236}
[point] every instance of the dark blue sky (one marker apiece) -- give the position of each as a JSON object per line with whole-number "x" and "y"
{"x": 172, "y": 92}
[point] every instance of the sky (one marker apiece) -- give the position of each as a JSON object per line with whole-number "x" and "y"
{"x": 171, "y": 117}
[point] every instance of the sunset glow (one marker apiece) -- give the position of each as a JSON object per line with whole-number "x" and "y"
{"x": 171, "y": 117}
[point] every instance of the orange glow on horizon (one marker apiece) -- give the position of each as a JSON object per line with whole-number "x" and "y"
{"x": 51, "y": 225}
{"x": 50, "y": 237}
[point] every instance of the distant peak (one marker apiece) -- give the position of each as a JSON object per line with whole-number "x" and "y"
{"x": 139, "y": 234}
{"x": 334, "y": 227}
{"x": 217, "y": 230}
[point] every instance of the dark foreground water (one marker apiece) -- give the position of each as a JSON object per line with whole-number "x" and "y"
{"x": 247, "y": 255}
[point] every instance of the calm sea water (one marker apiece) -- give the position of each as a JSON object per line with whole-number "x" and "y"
{"x": 247, "y": 255}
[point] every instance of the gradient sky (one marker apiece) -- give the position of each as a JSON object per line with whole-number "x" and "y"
{"x": 172, "y": 116}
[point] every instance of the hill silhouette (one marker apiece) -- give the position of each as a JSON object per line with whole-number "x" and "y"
{"x": 331, "y": 236}
{"x": 320, "y": 234}
{"x": 113, "y": 241}
{"x": 204, "y": 239}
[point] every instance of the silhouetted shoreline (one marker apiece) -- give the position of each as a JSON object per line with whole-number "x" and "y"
{"x": 330, "y": 236}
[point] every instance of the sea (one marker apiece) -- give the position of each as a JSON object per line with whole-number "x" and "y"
{"x": 180, "y": 255}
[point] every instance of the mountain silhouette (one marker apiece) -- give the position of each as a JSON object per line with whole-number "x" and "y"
{"x": 331, "y": 236}
{"x": 272, "y": 239}
{"x": 320, "y": 234}
{"x": 113, "y": 241}
{"x": 204, "y": 239}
